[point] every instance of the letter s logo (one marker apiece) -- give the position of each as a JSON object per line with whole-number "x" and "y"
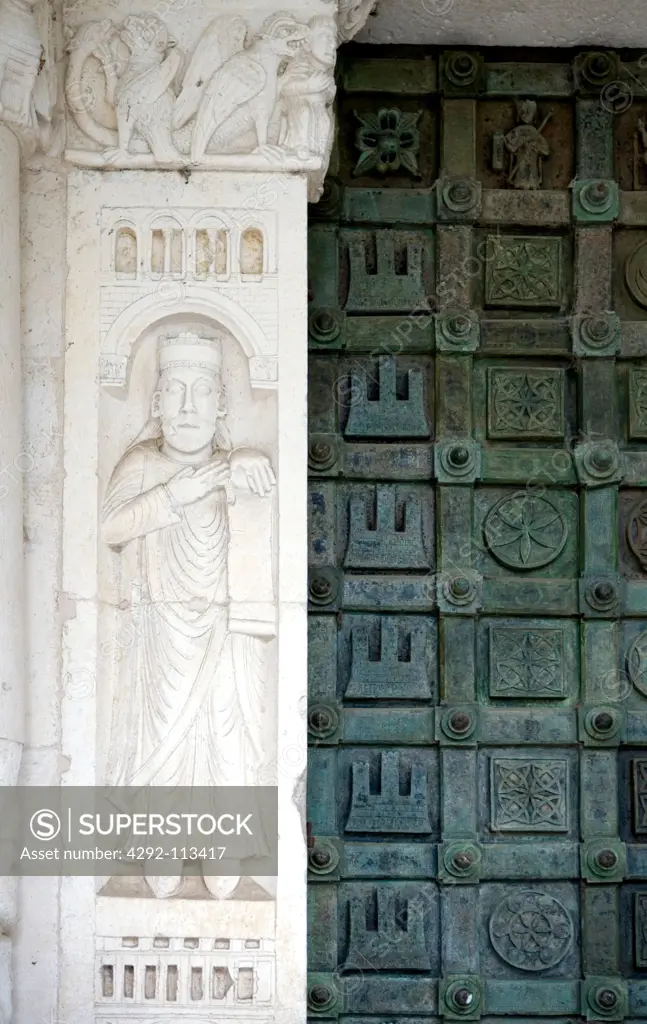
{"x": 45, "y": 824}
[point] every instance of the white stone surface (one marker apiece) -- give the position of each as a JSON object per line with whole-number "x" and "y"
{"x": 25, "y": 97}
{"x": 43, "y": 272}
{"x": 12, "y": 467}
{"x": 506, "y": 23}
{"x": 217, "y": 336}
{"x": 230, "y": 92}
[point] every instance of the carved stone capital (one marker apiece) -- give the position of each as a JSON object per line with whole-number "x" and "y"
{"x": 161, "y": 90}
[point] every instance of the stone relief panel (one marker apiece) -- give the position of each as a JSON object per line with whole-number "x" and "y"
{"x": 28, "y": 81}
{"x": 168, "y": 258}
{"x": 232, "y": 978}
{"x": 352, "y": 16}
{"x": 188, "y": 578}
{"x": 136, "y": 99}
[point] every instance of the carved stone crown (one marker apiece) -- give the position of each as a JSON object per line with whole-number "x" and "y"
{"x": 188, "y": 349}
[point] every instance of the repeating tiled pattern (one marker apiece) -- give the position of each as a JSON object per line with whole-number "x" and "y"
{"x": 478, "y": 631}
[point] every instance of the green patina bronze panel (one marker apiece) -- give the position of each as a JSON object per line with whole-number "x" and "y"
{"x": 477, "y": 794}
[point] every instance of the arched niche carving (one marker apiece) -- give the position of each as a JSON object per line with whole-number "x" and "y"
{"x": 240, "y": 600}
{"x": 252, "y": 253}
{"x": 126, "y": 254}
{"x": 212, "y": 308}
{"x": 167, "y": 247}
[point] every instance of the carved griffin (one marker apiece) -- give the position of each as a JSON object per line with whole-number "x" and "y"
{"x": 137, "y": 94}
{"x": 268, "y": 94}
{"x": 143, "y": 96}
{"x": 241, "y": 93}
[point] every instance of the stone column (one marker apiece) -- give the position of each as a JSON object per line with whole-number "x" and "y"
{"x": 12, "y": 672}
{"x": 20, "y": 51}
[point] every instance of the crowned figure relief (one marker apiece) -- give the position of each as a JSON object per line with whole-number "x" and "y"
{"x": 189, "y": 702}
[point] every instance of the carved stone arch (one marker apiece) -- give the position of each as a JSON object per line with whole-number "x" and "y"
{"x": 212, "y": 308}
{"x": 163, "y": 231}
{"x": 159, "y": 216}
{"x": 257, "y": 220}
{"x": 252, "y": 254}
{"x": 219, "y": 228}
{"x": 222, "y": 217}
{"x": 125, "y": 228}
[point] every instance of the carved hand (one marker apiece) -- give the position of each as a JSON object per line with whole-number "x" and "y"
{"x": 253, "y": 470}
{"x": 192, "y": 484}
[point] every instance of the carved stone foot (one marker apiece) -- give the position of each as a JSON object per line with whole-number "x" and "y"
{"x": 167, "y": 156}
{"x": 270, "y": 152}
{"x": 116, "y": 156}
{"x": 221, "y": 886}
{"x": 164, "y": 886}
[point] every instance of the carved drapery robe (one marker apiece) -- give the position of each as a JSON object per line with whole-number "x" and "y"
{"x": 527, "y": 148}
{"x": 307, "y": 92}
{"x": 189, "y": 709}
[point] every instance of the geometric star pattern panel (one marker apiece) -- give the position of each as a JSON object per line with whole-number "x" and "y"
{"x": 477, "y": 786}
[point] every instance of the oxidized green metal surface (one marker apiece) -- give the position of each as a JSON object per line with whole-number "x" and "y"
{"x": 478, "y": 542}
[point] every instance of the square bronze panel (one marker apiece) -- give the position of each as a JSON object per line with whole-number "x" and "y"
{"x": 385, "y": 397}
{"x": 526, "y": 662}
{"x": 639, "y": 788}
{"x": 517, "y": 531}
{"x": 399, "y": 136}
{"x": 529, "y": 794}
{"x": 633, "y": 930}
{"x": 640, "y": 929}
{"x": 385, "y": 527}
{"x": 632, "y": 540}
{"x": 630, "y": 151}
{"x": 386, "y": 271}
{"x": 392, "y": 792}
{"x": 523, "y": 271}
{"x": 388, "y": 926}
{"x": 388, "y": 657}
{"x": 632, "y": 663}
{"x": 637, "y": 402}
{"x": 527, "y": 402}
{"x": 630, "y": 273}
{"x": 509, "y": 945}
{"x": 524, "y": 148}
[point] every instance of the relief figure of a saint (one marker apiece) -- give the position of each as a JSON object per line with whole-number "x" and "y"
{"x": 525, "y": 147}
{"x": 190, "y": 690}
